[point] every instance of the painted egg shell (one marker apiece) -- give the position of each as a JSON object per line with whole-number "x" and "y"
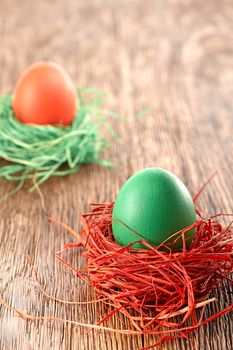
{"x": 155, "y": 204}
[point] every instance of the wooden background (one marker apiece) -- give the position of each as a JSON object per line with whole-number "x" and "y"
{"x": 175, "y": 57}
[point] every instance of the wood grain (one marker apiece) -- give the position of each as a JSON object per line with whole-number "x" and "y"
{"x": 175, "y": 57}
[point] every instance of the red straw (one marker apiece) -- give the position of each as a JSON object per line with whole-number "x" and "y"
{"x": 151, "y": 286}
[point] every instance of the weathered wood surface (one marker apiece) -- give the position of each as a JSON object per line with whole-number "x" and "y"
{"x": 175, "y": 57}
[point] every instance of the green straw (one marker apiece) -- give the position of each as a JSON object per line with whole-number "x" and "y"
{"x": 38, "y": 152}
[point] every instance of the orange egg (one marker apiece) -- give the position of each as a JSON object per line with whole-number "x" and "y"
{"x": 45, "y": 94}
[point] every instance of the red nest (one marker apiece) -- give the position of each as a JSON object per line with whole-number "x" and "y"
{"x": 151, "y": 286}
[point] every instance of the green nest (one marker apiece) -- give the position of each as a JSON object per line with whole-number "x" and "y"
{"x": 37, "y": 152}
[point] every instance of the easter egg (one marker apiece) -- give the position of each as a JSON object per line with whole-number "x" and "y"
{"x": 45, "y": 94}
{"x": 153, "y": 204}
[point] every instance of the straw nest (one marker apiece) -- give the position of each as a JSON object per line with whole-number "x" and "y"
{"x": 151, "y": 286}
{"x": 37, "y": 152}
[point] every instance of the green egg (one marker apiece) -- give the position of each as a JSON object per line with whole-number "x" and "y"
{"x": 155, "y": 204}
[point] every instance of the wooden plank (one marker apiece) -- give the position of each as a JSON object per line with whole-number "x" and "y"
{"x": 173, "y": 56}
